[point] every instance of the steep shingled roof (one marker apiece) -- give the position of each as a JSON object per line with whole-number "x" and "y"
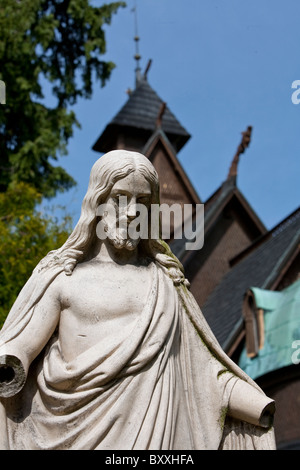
{"x": 258, "y": 267}
{"x": 142, "y": 108}
{"x": 213, "y": 208}
{"x": 141, "y": 112}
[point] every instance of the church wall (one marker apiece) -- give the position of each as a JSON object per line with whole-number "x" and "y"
{"x": 209, "y": 265}
{"x": 172, "y": 189}
{"x": 285, "y": 390}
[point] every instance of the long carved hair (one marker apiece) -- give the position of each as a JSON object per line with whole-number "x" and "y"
{"x": 106, "y": 171}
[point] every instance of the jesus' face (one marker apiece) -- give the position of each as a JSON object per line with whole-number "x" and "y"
{"x": 126, "y": 198}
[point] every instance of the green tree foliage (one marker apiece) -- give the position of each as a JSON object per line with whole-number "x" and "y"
{"x": 61, "y": 42}
{"x": 26, "y": 236}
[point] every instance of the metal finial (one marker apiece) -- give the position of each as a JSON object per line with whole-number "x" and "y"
{"x": 137, "y": 55}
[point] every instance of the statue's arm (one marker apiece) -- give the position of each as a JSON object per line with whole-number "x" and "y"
{"x": 248, "y": 404}
{"x": 17, "y": 355}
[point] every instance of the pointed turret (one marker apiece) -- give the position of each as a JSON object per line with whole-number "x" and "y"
{"x": 133, "y": 125}
{"x": 136, "y": 121}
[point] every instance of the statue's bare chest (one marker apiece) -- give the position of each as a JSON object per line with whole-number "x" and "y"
{"x": 95, "y": 296}
{"x": 99, "y": 308}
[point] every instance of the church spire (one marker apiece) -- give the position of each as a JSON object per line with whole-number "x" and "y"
{"x": 245, "y": 142}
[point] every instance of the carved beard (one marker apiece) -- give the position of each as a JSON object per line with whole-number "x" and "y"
{"x": 119, "y": 236}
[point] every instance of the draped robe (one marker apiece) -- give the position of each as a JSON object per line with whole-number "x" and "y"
{"x": 166, "y": 386}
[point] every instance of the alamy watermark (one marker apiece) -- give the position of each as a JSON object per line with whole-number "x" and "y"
{"x": 154, "y": 222}
{"x": 2, "y": 92}
{"x": 296, "y": 354}
{"x": 296, "y": 94}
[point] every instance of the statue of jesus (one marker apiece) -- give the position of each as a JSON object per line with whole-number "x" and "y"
{"x": 106, "y": 348}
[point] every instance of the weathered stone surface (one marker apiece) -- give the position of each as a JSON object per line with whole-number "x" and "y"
{"x": 105, "y": 347}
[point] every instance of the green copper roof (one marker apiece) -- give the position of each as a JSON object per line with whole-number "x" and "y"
{"x": 282, "y": 331}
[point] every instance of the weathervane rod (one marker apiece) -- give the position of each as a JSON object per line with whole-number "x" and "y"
{"x": 136, "y": 38}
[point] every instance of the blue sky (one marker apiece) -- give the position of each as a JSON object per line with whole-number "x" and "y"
{"x": 220, "y": 65}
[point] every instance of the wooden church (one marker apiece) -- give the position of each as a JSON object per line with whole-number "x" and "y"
{"x": 240, "y": 263}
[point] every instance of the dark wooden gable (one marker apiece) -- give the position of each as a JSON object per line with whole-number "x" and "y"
{"x": 175, "y": 186}
{"x": 230, "y": 226}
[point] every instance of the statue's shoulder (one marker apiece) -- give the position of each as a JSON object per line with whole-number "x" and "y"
{"x": 57, "y": 284}
{"x": 86, "y": 270}
{"x": 74, "y": 284}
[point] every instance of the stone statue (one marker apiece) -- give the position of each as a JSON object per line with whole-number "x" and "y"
{"x": 106, "y": 348}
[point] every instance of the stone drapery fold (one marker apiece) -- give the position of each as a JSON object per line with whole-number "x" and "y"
{"x": 166, "y": 386}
